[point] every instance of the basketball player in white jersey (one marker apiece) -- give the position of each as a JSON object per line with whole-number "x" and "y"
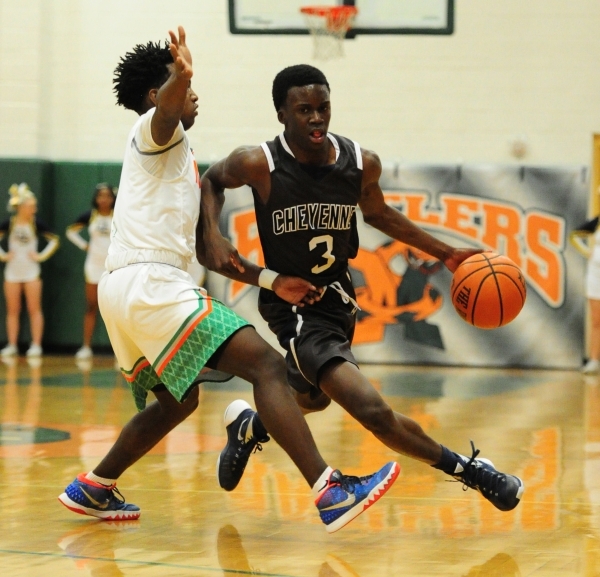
{"x": 164, "y": 329}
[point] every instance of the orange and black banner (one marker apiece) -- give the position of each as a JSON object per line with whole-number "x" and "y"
{"x": 406, "y": 316}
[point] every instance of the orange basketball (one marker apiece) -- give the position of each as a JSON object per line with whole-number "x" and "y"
{"x": 488, "y": 290}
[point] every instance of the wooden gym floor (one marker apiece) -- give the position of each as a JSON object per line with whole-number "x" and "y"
{"x": 57, "y": 420}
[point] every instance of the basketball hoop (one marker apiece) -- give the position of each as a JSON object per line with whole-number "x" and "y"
{"x": 328, "y": 26}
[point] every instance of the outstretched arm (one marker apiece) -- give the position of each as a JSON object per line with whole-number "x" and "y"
{"x": 246, "y": 165}
{"x": 393, "y": 223}
{"x": 170, "y": 97}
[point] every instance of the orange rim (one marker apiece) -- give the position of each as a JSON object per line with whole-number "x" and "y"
{"x": 335, "y": 15}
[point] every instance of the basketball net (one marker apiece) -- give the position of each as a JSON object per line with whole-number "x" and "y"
{"x": 328, "y": 26}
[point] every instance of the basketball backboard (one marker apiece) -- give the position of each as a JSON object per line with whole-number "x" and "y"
{"x": 374, "y": 16}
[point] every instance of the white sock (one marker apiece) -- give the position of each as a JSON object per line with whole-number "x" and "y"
{"x": 321, "y": 482}
{"x": 101, "y": 480}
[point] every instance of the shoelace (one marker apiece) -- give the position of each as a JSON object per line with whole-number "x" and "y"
{"x": 120, "y": 495}
{"x": 349, "y": 482}
{"x": 475, "y": 474}
{"x": 248, "y": 448}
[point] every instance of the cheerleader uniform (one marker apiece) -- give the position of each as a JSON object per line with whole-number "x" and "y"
{"x": 23, "y": 239}
{"x": 98, "y": 226}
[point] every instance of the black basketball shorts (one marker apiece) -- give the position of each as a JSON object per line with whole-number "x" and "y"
{"x": 312, "y": 335}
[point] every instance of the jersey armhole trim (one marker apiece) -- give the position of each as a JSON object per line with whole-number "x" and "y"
{"x": 336, "y": 145}
{"x": 269, "y": 156}
{"x": 359, "y": 160}
{"x": 285, "y": 145}
{"x": 156, "y": 152}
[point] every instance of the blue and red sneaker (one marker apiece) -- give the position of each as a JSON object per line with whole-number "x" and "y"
{"x": 89, "y": 498}
{"x": 345, "y": 497}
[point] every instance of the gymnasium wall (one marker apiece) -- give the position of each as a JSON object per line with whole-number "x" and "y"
{"x": 513, "y": 73}
{"x": 512, "y": 70}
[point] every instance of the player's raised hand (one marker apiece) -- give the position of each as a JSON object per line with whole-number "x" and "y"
{"x": 182, "y": 57}
{"x": 296, "y": 291}
{"x": 458, "y": 255}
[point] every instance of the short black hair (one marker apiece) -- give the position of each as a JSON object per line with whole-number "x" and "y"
{"x": 140, "y": 70}
{"x": 101, "y": 186}
{"x": 298, "y": 75}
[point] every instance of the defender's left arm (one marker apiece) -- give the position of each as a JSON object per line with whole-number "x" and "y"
{"x": 393, "y": 223}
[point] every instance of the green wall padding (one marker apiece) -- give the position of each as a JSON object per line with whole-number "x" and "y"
{"x": 73, "y": 185}
{"x": 64, "y": 191}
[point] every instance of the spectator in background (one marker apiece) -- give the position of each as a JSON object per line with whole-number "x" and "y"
{"x": 98, "y": 222}
{"x": 22, "y": 271}
{"x": 586, "y": 240}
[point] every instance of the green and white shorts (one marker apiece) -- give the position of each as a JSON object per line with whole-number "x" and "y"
{"x": 163, "y": 328}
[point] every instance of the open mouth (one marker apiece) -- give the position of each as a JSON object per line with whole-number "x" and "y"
{"x": 317, "y": 136}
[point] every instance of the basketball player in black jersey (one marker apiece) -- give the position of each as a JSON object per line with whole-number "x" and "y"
{"x": 307, "y": 184}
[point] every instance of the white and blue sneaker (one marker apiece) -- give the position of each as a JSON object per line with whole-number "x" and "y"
{"x": 345, "y": 497}
{"x": 501, "y": 490}
{"x": 89, "y": 498}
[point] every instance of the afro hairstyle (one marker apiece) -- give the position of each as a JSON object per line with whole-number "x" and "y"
{"x": 140, "y": 70}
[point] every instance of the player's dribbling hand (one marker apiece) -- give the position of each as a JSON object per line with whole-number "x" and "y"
{"x": 182, "y": 57}
{"x": 458, "y": 255}
{"x": 296, "y": 291}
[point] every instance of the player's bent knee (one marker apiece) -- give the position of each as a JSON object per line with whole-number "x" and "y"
{"x": 191, "y": 402}
{"x": 314, "y": 403}
{"x": 175, "y": 411}
{"x": 268, "y": 365}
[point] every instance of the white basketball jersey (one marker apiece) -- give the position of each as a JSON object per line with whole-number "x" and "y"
{"x": 158, "y": 203}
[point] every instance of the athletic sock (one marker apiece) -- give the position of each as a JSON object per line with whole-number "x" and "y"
{"x": 100, "y": 480}
{"x": 321, "y": 482}
{"x": 451, "y": 463}
{"x": 258, "y": 429}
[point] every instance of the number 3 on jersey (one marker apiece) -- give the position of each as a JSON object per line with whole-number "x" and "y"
{"x": 327, "y": 240}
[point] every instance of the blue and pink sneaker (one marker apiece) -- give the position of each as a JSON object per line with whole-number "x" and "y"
{"x": 345, "y": 497}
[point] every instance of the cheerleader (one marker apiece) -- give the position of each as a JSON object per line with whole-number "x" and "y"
{"x": 586, "y": 239}
{"x": 98, "y": 222}
{"x": 22, "y": 270}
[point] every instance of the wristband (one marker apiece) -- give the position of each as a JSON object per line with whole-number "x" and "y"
{"x": 266, "y": 278}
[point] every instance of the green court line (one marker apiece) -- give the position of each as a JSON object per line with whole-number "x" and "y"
{"x": 148, "y": 563}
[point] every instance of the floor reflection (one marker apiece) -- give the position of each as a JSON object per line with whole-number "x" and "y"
{"x": 543, "y": 426}
{"x": 500, "y": 565}
{"x": 92, "y": 546}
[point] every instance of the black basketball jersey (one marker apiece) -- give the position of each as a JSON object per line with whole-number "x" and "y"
{"x": 308, "y": 226}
